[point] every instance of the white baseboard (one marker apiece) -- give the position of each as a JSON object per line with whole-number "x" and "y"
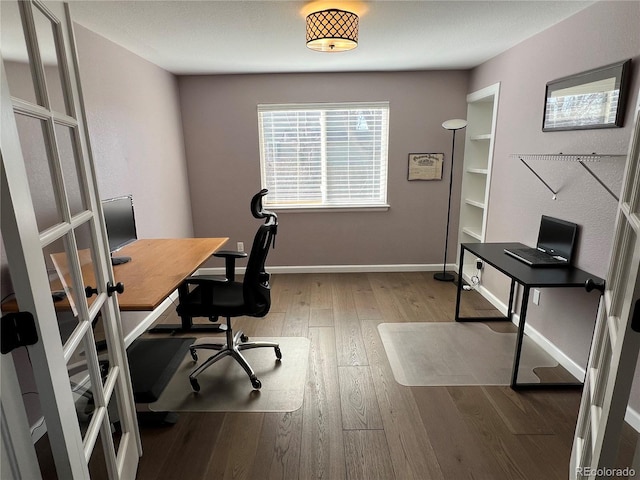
{"x": 558, "y": 355}
{"x": 493, "y": 300}
{"x": 548, "y": 346}
{"x": 632, "y": 417}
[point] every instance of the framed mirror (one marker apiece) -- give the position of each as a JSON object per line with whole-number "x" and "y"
{"x": 592, "y": 99}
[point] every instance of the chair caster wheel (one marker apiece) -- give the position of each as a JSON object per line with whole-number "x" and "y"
{"x": 194, "y": 354}
{"x": 244, "y": 338}
{"x": 195, "y": 385}
{"x": 278, "y": 353}
{"x": 257, "y": 384}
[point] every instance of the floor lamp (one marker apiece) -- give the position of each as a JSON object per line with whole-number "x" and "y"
{"x": 455, "y": 124}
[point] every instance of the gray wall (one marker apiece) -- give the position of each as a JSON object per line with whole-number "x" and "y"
{"x": 135, "y": 128}
{"x": 136, "y": 134}
{"x": 221, "y": 137}
{"x": 604, "y": 33}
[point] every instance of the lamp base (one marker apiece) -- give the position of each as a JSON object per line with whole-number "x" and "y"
{"x": 444, "y": 276}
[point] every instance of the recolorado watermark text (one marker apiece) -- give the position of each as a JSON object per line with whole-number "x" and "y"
{"x": 606, "y": 472}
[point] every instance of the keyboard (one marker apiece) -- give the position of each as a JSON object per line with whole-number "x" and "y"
{"x": 535, "y": 258}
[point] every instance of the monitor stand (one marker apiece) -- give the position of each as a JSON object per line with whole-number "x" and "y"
{"x": 119, "y": 260}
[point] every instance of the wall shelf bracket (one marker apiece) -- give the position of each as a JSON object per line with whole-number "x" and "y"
{"x": 581, "y": 159}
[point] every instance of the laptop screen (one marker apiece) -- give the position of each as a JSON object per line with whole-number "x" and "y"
{"x": 557, "y": 237}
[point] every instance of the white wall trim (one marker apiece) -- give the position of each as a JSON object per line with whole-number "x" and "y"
{"x": 493, "y": 300}
{"x": 631, "y": 417}
{"x": 558, "y": 355}
{"x": 542, "y": 341}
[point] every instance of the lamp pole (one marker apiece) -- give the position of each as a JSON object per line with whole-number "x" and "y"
{"x": 454, "y": 125}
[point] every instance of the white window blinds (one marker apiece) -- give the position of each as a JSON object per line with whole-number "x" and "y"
{"x": 324, "y": 155}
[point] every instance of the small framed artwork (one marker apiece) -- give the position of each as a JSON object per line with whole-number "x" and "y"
{"x": 425, "y": 166}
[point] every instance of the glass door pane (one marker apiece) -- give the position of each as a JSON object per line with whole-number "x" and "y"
{"x": 33, "y": 140}
{"x": 49, "y": 39}
{"x": 69, "y": 159}
{"x": 14, "y": 53}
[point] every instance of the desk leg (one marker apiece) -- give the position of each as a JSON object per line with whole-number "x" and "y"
{"x": 518, "y": 352}
{"x": 457, "y": 316}
{"x": 459, "y": 292}
{"x": 510, "y": 304}
{"x": 516, "y": 359}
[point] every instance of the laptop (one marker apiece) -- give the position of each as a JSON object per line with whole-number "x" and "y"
{"x": 556, "y": 241}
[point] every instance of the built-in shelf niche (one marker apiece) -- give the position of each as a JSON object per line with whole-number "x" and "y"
{"x": 482, "y": 107}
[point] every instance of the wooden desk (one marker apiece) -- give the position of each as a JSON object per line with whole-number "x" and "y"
{"x": 521, "y": 273}
{"x": 156, "y": 269}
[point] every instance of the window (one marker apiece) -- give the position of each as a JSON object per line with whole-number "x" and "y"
{"x": 324, "y": 155}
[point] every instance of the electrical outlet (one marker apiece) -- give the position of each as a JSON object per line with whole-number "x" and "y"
{"x": 240, "y": 246}
{"x": 536, "y": 296}
{"x": 479, "y": 264}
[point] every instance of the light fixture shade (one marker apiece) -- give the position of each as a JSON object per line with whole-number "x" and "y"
{"x": 332, "y": 30}
{"x": 455, "y": 124}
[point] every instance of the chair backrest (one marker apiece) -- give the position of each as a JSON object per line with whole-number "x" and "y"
{"x": 256, "y": 286}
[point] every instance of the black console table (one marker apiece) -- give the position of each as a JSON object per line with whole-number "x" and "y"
{"x": 528, "y": 277}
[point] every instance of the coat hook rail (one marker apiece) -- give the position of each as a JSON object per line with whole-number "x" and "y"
{"x": 580, "y": 158}
{"x": 600, "y": 182}
{"x": 555, "y": 194}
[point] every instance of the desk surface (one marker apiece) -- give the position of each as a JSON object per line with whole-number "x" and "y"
{"x": 493, "y": 254}
{"x": 158, "y": 267}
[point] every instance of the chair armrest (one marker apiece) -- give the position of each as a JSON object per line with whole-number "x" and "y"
{"x": 205, "y": 279}
{"x": 229, "y": 253}
{"x": 230, "y": 262}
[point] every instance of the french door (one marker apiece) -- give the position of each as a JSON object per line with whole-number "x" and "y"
{"x": 614, "y": 350}
{"x": 55, "y": 241}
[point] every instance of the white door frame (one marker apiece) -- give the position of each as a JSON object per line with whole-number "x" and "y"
{"x": 24, "y": 245}
{"x": 18, "y": 459}
{"x": 615, "y": 345}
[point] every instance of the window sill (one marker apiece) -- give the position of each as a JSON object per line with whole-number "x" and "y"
{"x": 325, "y": 208}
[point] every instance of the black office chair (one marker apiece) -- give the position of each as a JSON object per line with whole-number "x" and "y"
{"x": 209, "y": 296}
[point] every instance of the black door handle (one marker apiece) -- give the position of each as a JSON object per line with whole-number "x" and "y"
{"x": 591, "y": 285}
{"x": 89, "y": 291}
{"x": 118, "y": 288}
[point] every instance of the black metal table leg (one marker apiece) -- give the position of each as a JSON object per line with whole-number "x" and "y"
{"x": 510, "y": 304}
{"x": 457, "y": 315}
{"x": 521, "y": 323}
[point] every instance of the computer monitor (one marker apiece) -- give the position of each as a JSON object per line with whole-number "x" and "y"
{"x": 121, "y": 225}
{"x": 557, "y": 237}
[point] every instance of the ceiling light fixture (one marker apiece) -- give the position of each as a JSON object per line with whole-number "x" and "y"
{"x": 332, "y": 30}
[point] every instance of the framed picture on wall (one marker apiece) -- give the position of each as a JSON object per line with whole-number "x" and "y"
{"x": 592, "y": 99}
{"x": 425, "y": 166}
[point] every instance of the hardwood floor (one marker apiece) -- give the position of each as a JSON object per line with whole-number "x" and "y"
{"x": 357, "y": 422}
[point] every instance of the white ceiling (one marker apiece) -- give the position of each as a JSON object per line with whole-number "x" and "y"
{"x": 204, "y": 37}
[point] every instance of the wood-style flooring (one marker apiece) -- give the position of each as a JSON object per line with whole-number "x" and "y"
{"x": 357, "y": 422}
